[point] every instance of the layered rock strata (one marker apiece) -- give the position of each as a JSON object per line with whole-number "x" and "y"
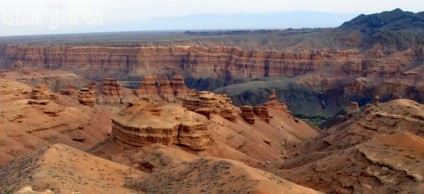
{"x": 247, "y": 114}
{"x": 42, "y": 92}
{"x": 68, "y": 91}
{"x": 262, "y": 112}
{"x": 111, "y": 87}
{"x": 160, "y": 88}
{"x": 217, "y": 103}
{"x": 179, "y": 86}
{"x": 94, "y": 61}
{"x": 194, "y": 135}
{"x": 87, "y": 97}
{"x": 165, "y": 89}
{"x": 142, "y": 124}
{"x": 148, "y": 88}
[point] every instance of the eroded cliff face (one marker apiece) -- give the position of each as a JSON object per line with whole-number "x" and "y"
{"x": 326, "y": 80}
{"x": 203, "y": 68}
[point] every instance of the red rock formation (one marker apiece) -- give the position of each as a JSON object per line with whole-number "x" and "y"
{"x": 87, "y": 97}
{"x": 228, "y": 114}
{"x": 204, "y": 111}
{"x": 153, "y": 109}
{"x": 68, "y": 91}
{"x": 247, "y": 114}
{"x": 273, "y": 96}
{"x": 194, "y": 135}
{"x": 160, "y": 88}
{"x": 111, "y": 87}
{"x": 148, "y": 88}
{"x": 377, "y": 100}
{"x": 42, "y": 92}
{"x": 254, "y": 64}
{"x": 191, "y": 103}
{"x": 180, "y": 89}
{"x": 142, "y": 124}
{"x": 165, "y": 89}
{"x": 262, "y": 112}
{"x": 352, "y": 109}
{"x": 262, "y": 109}
{"x": 217, "y": 103}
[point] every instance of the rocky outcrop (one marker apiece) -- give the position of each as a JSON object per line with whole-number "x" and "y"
{"x": 217, "y": 104}
{"x": 165, "y": 89}
{"x": 194, "y": 135}
{"x": 87, "y": 97}
{"x": 273, "y": 96}
{"x": 39, "y": 102}
{"x": 275, "y": 104}
{"x": 262, "y": 112}
{"x": 111, "y": 87}
{"x": 110, "y": 92}
{"x": 192, "y": 102}
{"x": 180, "y": 89}
{"x": 142, "y": 124}
{"x": 229, "y": 114}
{"x": 160, "y": 88}
{"x": 148, "y": 88}
{"x": 42, "y": 92}
{"x": 68, "y": 91}
{"x": 247, "y": 114}
{"x": 376, "y": 100}
{"x": 352, "y": 109}
{"x": 204, "y": 111}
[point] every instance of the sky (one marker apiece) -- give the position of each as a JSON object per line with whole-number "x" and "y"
{"x": 28, "y": 17}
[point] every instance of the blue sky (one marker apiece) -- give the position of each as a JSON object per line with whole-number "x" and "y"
{"x": 22, "y": 17}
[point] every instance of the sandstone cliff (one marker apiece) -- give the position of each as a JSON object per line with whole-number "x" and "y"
{"x": 159, "y": 88}
{"x": 328, "y": 76}
{"x": 199, "y": 64}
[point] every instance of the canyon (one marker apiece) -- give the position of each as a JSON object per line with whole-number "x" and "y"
{"x": 195, "y": 112}
{"x": 378, "y": 54}
{"x": 331, "y": 78}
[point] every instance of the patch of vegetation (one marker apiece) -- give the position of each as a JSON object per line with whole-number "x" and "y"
{"x": 157, "y": 154}
{"x": 10, "y": 191}
{"x": 315, "y": 120}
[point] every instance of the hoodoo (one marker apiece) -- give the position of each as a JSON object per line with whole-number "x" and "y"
{"x": 87, "y": 97}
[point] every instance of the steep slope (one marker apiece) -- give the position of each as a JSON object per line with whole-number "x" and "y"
{"x": 63, "y": 169}
{"x": 388, "y": 164}
{"x": 375, "y": 150}
{"x": 212, "y": 175}
{"x": 27, "y": 124}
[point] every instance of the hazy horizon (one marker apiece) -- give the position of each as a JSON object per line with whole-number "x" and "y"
{"x": 43, "y": 17}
